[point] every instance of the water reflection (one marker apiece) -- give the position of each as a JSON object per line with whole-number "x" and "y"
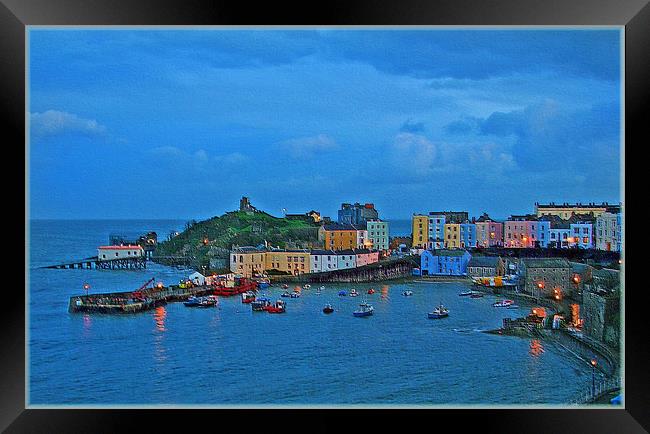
{"x": 384, "y": 292}
{"x": 536, "y": 348}
{"x": 159, "y": 316}
{"x": 87, "y": 321}
{"x": 160, "y": 352}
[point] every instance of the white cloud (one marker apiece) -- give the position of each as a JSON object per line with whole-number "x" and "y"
{"x": 308, "y": 147}
{"x": 415, "y": 153}
{"x": 54, "y": 122}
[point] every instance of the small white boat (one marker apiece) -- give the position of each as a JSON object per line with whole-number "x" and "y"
{"x": 407, "y": 293}
{"x": 306, "y": 286}
{"x": 438, "y": 312}
{"x": 365, "y": 309}
{"x": 353, "y": 293}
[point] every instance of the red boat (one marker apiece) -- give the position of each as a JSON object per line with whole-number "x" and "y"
{"x": 248, "y": 297}
{"x": 371, "y": 291}
{"x": 240, "y": 286}
{"x": 278, "y": 307}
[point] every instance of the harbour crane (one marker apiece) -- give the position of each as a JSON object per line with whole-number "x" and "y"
{"x": 137, "y": 294}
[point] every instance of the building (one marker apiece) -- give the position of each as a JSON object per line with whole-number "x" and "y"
{"x": 444, "y": 262}
{"x": 452, "y": 216}
{"x": 600, "y": 310}
{"x": 609, "y": 232}
{"x": 247, "y": 260}
{"x": 436, "y": 230}
{"x": 336, "y": 236}
{"x": 489, "y": 233}
{"x": 197, "y": 278}
{"x": 365, "y": 257}
{"x": 486, "y": 266}
{"x": 288, "y": 261}
{"x": 377, "y": 231}
{"x": 245, "y": 205}
{"x": 467, "y": 235}
{"x": 452, "y": 235}
{"x": 107, "y": 253}
{"x": 566, "y": 210}
{"x": 521, "y": 231}
{"x": 581, "y": 233}
{"x": 546, "y": 277}
{"x": 323, "y": 260}
{"x": 420, "y": 232}
{"x": 357, "y": 214}
{"x": 346, "y": 259}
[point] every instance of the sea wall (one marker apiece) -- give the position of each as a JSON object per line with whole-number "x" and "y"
{"x": 388, "y": 270}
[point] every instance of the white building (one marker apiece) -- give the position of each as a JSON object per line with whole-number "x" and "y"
{"x": 436, "y": 231}
{"x": 378, "y": 234}
{"x": 608, "y": 232}
{"x": 322, "y": 260}
{"x": 362, "y": 239}
{"x": 197, "y": 278}
{"x": 106, "y": 253}
{"x": 581, "y": 235}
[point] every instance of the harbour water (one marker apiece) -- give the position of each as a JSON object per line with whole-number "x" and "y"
{"x": 231, "y": 356}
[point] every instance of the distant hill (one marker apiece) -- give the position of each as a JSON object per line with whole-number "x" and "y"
{"x": 213, "y": 238}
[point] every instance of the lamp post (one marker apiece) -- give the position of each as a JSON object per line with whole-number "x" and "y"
{"x": 593, "y": 377}
{"x": 86, "y": 287}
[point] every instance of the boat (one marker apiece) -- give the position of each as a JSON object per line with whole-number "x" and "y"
{"x": 407, "y": 293}
{"x": 438, "y": 312}
{"x": 321, "y": 288}
{"x": 285, "y": 294}
{"x": 248, "y": 297}
{"x": 260, "y": 304}
{"x": 192, "y": 302}
{"x": 371, "y": 291}
{"x": 476, "y": 295}
{"x": 512, "y": 306}
{"x": 504, "y": 303}
{"x": 295, "y": 294}
{"x": 208, "y": 301}
{"x": 285, "y": 286}
{"x": 263, "y": 284}
{"x": 365, "y": 309}
{"x": 306, "y": 286}
{"x": 328, "y": 308}
{"x": 342, "y": 293}
{"x": 279, "y": 307}
{"x": 238, "y": 286}
{"x": 465, "y": 293}
{"x": 353, "y": 292}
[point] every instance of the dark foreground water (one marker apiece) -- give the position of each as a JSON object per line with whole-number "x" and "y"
{"x": 232, "y": 356}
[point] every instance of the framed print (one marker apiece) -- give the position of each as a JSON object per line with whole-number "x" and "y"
{"x": 234, "y": 211}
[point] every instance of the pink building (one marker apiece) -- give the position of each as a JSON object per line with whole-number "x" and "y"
{"x": 520, "y": 231}
{"x": 489, "y": 233}
{"x": 365, "y": 257}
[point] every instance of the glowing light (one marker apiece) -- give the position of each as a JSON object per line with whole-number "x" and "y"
{"x": 593, "y": 362}
{"x": 540, "y": 285}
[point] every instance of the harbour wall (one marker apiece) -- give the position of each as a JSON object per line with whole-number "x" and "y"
{"x": 397, "y": 269}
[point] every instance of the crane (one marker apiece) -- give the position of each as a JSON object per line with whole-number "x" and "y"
{"x": 137, "y": 294}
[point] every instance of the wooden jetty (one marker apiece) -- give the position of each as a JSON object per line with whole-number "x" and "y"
{"x": 134, "y": 301}
{"x": 134, "y": 263}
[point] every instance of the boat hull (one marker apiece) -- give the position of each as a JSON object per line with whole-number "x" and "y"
{"x": 362, "y": 314}
{"x": 437, "y": 315}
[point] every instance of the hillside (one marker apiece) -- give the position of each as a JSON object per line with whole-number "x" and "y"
{"x": 213, "y": 238}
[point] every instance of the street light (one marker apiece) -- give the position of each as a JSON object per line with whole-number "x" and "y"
{"x": 86, "y": 287}
{"x": 593, "y": 376}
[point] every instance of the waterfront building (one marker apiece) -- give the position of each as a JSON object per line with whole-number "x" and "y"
{"x": 106, "y": 253}
{"x": 197, "y": 278}
{"x": 566, "y": 210}
{"x": 486, "y": 266}
{"x": 452, "y": 235}
{"x": 581, "y": 232}
{"x": 289, "y": 261}
{"x": 377, "y": 234}
{"x": 559, "y": 237}
{"x": 322, "y": 260}
{"x": 467, "y": 235}
{"x": 346, "y": 259}
{"x": 365, "y": 257}
{"x": 521, "y": 231}
{"x": 336, "y": 236}
{"x": 357, "y": 214}
{"x": 444, "y": 262}
{"x": 436, "y": 230}
{"x": 247, "y": 260}
{"x": 608, "y": 232}
{"x": 543, "y": 234}
{"x": 601, "y": 307}
{"x": 546, "y": 277}
{"x": 452, "y": 216}
{"x": 489, "y": 233}
{"x": 420, "y": 231}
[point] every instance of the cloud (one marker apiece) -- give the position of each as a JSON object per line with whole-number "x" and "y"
{"x": 54, "y": 123}
{"x": 413, "y": 154}
{"x": 308, "y": 147}
{"x": 199, "y": 162}
{"x": 412, "y": 127}
{"x": 464, "y": 126}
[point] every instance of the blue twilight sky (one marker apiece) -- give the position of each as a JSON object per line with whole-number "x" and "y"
{"x": 182, "y": 123}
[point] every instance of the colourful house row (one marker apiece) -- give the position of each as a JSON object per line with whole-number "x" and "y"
{"x": 344, "y": 236}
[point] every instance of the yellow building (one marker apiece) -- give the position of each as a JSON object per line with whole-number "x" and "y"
{"x": 292, "y": 261}
{"x": 337, "y": 236}
{"x": 452, "y": 235}
{"x": 247, "y": 261}
{"x": 565, "y": 210}
{"x": 420, "y": 232}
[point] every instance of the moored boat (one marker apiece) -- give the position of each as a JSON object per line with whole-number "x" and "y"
{"x": 438, "y": 312}
{"x": 512, "y": 306}
{"x": 248, "y": 297}
{"x": 285, "y": 294}
{"x": 295, "y": 294}
{"x": 365, "y": 309}
{"x": 260, "y": 304}
{"x": 371, "y": 291}
{"x": 466, "y": 293}
{"x": 407, "y": 293}
{"x": 306, "y": 286}
{"x": 504, "y": 303}
{"x": 328, "y": 308}
{"x": 192, "y": 301}
{"x": 208, "y": 301}
{"x": 342, "y": 294}
{"x": 475, "y": 294}
{"x": 278, "y": 307}
{"x": 285, "y": 286}
{"x": 353, "y": 292}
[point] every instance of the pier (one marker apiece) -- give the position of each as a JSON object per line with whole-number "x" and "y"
{"x": 135, "y": 263}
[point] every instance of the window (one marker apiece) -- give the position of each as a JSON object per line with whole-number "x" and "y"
{"x": 116, "y": 253}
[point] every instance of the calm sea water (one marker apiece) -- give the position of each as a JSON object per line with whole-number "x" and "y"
{"x": 230, "y": 355}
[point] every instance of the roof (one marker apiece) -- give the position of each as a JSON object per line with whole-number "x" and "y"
{"x": 129, "y": 247}
{"x": 545, "y": 263}
{"x": 340, "y": 227}
{"x": 575, "y": 205}
{"x": 247, "y": 249}
{"x": 323, "y": 252}
{"x": 485, "y": 218}
{"x": 484, "y": 261}
{"x": 523, "y": 218}
{"x": 447, "y": 252}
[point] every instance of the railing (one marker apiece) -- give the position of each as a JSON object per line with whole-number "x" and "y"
{"x": 601, "y": 388}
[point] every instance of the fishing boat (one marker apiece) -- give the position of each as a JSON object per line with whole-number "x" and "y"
{"x": 504, "y": 303}
{"x": 279, "y": 307}
{"x": 192, "y": 302}
{"x": 438, "y": 312}
{"x": 371, "y": 291}
{"x": 407, "y": 293}
{"x": 260, "y": 304}
{"x": 342, "y": 293}
{"x": 248, "y": 297}
{"x": 353, "y": 292}
{"x": 285, "y": 294}
{"x": 209, "y": 301}
{"x": 466, "y": 293}
{"x": 365, "y": 309}
{"x": 295, "y": 294}
{"x": 328, "y": 308}
{"x": 234, "y": 287}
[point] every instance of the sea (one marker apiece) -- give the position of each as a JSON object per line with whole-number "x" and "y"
{"x": 230, "y": 356}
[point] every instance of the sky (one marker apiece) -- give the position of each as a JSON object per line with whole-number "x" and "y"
{"x": 180, "y": 123}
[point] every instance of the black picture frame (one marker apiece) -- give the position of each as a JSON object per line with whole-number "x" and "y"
{"x": 15, "y": 15}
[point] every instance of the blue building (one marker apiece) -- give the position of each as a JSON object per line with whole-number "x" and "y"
{"x": 543, "y": 233}
{"x": 444, "y": 262}
{"x": 467, "y": 234}
{"x": 357, "y": 214}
